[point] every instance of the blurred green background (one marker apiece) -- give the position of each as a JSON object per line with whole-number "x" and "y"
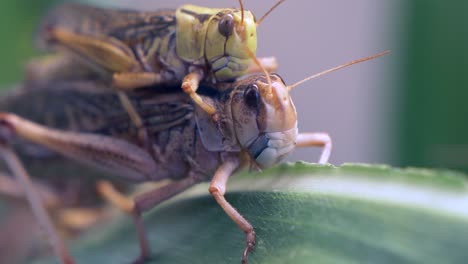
{"x": 424, "y": 120}
{"x": 434, "y": 116}
{"x": 18, "y": 20}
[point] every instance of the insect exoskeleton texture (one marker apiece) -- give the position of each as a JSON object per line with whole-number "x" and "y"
{"x": 133, "y": 49}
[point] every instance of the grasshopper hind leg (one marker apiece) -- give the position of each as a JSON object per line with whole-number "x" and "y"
{"x": 19, "y": 224}
{"x": 36, "y": 203}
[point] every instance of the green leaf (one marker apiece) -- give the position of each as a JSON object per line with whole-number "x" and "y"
{"x": 304, "y": 213}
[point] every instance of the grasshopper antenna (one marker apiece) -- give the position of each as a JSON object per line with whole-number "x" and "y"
{"x": 242, "y": 12}
{"x": 290, "y": 87}
{"x": 257, "y": 62}
{"x": 269, "y": 11}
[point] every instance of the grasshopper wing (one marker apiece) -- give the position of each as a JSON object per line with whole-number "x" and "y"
{"x": 126, "y": 25}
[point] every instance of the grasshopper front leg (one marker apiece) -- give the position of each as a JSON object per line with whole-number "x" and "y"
{"x": 218, "y": 189}
{"x": 316, "y": 140}
{"x": 190, "y": 86}
{"x": 218, "y": 184}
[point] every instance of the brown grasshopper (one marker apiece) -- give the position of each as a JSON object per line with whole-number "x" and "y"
{"x": 257, "y": 126}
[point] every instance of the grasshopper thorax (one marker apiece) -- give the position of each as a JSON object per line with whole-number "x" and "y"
{"x": 264, "y": 119}
{"x": 220, "y": 37}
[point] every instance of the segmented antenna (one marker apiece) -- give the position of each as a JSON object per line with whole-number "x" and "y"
{"x": 257, "y": 62}
{"x": 290, "y": 87}
{"x": 242, "y": 12}
{"x": 269, "y": 11}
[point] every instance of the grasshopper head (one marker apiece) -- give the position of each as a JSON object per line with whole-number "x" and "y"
{"x": 230, "y": 34}
{"x": 265, "y": 120}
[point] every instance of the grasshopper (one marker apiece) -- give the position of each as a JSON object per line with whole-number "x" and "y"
{"x": 135, "y": 49}
{"x": 257, "y": 126}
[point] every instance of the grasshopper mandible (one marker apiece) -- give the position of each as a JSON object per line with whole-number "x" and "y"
{"x": 135, "y": 49}
{"x": 257, "y": 126}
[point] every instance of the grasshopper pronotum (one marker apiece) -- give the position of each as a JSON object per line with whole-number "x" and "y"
{"x": 256, "y": 125}
{"x": 133, "y": 49}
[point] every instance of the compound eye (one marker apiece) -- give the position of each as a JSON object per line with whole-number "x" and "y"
{"x": 226, "y": 25}
{"x": 251, "y": 96}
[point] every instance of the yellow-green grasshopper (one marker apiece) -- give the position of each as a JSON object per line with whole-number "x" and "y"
{"x": 257, "y": 126}
{"x": 135, "y": 49}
